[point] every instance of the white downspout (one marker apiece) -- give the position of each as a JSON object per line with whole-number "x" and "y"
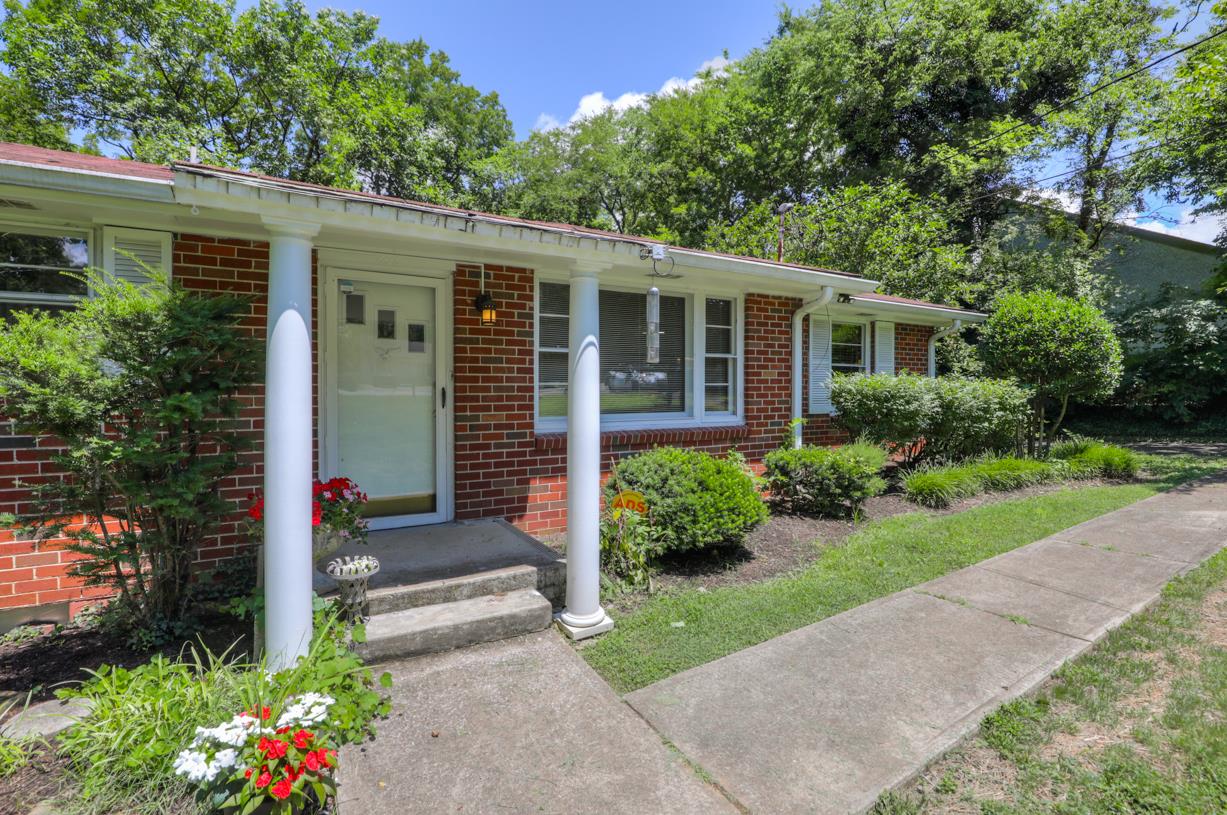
{"x": 798, "y": 316}
{"x": 934, "y": 337}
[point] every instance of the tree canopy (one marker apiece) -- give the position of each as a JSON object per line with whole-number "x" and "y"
{"x": 272, "y": 88}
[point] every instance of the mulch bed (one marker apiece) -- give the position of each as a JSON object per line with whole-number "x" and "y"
{"x": 45, "y": 663}
{"x": 37, "y": 781}
{"x": 787, "y": 543}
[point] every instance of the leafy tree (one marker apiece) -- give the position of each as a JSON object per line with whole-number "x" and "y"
{"x": 1060, "y": 347}
{"x": 141, "y": 385}
{"x": 884, "y": 233}
{"x": 272, "y": 88}
{"x": 23, "y": 119}
{"x": 1176, "y": 356}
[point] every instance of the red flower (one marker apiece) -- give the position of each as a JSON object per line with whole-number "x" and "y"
{"x": 264, "y": 780}
{"x": 291, "y": 773}
{"x": 248, "y": 773}
{"x": 312, "y": 762}
{"x": 265, "y": 713}
{"x": 302, "y": 738}
{"x": 316, "y": 514}
{"x": 324, "y": 755}
{"x": 281, "y": 790}
{"x": 281, "y": 731}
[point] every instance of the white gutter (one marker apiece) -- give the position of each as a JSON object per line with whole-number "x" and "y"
{"x": 934, "y": 337}
{"x": 798, "y": 316}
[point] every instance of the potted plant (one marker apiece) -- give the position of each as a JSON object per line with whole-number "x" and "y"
{"x": 336, "y": 516}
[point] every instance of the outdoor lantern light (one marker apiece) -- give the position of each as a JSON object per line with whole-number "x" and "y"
{"x": 653, "y": 325}
{"x": 484, "y": 304}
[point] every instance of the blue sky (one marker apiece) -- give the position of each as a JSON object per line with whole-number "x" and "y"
{"x": 544, "y": 57}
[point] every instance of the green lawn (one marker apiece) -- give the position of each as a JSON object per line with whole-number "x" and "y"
{"x": 882, "y": 558}
{"x": 1137, "y": 725}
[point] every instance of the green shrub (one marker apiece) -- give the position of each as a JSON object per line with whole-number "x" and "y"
{"x": 122, "y": 754}
{"x": 695, "y": 500}
{"x": 974, "y": 416}
{"x": 826, "y": 481}
{"x": 927, "y": 418}
{"x": 1060, "y": 347}
{"x": 884, "y": 408}
{"x": 626, "y": 541}
{"x": 149, "y": 442}
{"x": 941, "y": 486}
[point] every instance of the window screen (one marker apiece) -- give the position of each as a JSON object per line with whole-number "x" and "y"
{"x": 847, "y": 347}
{"x": 720, "y": 365}
{"x": 629, "y": 383}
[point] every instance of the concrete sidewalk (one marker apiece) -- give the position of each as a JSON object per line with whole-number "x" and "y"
{"x": 826, "y": 718}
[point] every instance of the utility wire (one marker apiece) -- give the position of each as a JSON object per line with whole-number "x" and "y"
{"x": 1040, "y": 117}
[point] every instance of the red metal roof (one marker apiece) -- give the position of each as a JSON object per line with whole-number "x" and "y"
{"x": 45, "y": 157}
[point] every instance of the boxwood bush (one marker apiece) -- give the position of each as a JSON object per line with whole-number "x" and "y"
{"x": 927, "y": 418}
{"x": 695, "y": 500}
{"x": 823, "y": 480}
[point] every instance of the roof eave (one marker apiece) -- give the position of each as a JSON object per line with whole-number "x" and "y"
{"x": 923, "y": 314}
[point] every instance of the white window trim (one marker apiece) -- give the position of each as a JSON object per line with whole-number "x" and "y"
{"x": 866, "y": 326}
{"x": 696, "y": 303}
{"x": 34, "y": 298}
{"x": 824, "y": 357}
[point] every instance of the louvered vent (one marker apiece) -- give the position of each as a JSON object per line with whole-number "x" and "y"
{"x": 127, "y": 249}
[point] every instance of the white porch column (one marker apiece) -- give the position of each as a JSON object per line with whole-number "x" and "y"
{"x": 288, "y": 445}
{"x": 583, "y": 616}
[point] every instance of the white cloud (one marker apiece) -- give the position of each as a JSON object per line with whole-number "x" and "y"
{"x": 546, "y": 122}
{"x": 1204, "y": 228}
{"x": 591, "y": 104}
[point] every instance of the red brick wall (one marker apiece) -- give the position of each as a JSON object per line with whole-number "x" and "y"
{"x": 37, "y": 573}
{"x": 502, "y": 467}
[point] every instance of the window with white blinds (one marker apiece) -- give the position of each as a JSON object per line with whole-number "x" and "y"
{"x": 634, "y": 390}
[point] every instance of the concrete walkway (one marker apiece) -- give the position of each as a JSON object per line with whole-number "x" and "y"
{"x": 826, "y": 718}
{"x": 519, "y": 726}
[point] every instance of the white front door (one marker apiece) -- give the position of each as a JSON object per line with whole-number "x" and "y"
{"x": 386, "y": 388}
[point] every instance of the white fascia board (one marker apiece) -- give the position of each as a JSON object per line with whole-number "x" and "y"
{"x": 766, "y": 270}
{"x": 84, "y": 181}
{"x": 480, "y": 231}
{"x": 917, "y": 314}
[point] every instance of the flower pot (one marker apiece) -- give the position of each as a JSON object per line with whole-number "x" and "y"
{"x": 324, "y": 543}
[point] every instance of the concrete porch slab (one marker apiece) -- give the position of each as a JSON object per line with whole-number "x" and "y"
{"x": 522, "y": 725}
{"x": 455, "y": 561}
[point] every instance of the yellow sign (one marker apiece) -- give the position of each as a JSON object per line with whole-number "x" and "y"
{"x": 629, "y": 499}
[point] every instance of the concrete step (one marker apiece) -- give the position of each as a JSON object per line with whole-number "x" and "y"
{"x": 456, "y": 624}
{"x": 549, "y": 580}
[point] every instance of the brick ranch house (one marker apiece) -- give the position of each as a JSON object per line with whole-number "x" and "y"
{"x": 381, "y": 366}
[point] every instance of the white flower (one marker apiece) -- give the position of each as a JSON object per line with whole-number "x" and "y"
{"x": 233, "y": 733}
{"x": 195, "y": 765}
{"x": 225, "y": 759}
{"x": 304, "y": 710}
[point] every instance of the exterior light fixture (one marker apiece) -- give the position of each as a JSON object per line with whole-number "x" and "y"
{"x": 484, "y": 303}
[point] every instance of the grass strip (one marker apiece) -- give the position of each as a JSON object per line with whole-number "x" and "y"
{"x": 884, "y": 557}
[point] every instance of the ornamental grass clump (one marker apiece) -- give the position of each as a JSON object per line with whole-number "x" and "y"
{"x": 1086, "y": 458}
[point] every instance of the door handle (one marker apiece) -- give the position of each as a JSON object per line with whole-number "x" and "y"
{"x": 444, "y": 396}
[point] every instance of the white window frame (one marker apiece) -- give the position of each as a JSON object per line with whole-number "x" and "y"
{"x": 31, "y": 298}
{"x": 866, "y": 348}
{"x": 696, "y": 314}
